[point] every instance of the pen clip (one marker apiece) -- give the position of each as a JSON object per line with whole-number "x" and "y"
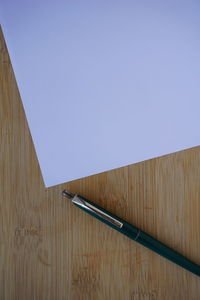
{"x": 91, "y": 208}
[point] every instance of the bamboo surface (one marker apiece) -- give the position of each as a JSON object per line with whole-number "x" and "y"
{"x": 51, "y": 250}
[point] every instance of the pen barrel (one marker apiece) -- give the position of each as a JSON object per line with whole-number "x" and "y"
{"x": 160, "y": 248}
{"x": 137, "y": 235}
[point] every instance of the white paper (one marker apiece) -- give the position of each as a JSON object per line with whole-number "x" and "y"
{"x": 105, "y": 84}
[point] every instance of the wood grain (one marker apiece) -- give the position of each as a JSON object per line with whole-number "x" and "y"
{"x": 51, "y": 250}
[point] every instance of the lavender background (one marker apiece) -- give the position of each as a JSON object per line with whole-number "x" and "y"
{"x": 105, "y": 84}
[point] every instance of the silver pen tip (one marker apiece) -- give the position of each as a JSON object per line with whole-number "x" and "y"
{"x": 68, "y": 194}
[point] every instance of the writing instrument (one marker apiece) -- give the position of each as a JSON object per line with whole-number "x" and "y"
{"x": 132, "y": 232}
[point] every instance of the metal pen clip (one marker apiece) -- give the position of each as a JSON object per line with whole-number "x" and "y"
{"x": 91, "y": 208}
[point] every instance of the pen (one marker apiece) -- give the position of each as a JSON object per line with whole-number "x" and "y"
{"x": 132, "y": 232}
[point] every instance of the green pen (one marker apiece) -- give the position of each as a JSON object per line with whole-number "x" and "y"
{"x": 132, "y": 232}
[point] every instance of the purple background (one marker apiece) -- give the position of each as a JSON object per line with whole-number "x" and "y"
{"x": 105, "y": 83}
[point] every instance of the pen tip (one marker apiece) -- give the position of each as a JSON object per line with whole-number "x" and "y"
{"x": 68, "y": 194}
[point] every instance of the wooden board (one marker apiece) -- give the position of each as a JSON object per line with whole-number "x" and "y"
{"x": 49, "y": 249}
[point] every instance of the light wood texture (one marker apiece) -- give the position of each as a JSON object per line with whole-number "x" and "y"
{"x": 49, "y": 249}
